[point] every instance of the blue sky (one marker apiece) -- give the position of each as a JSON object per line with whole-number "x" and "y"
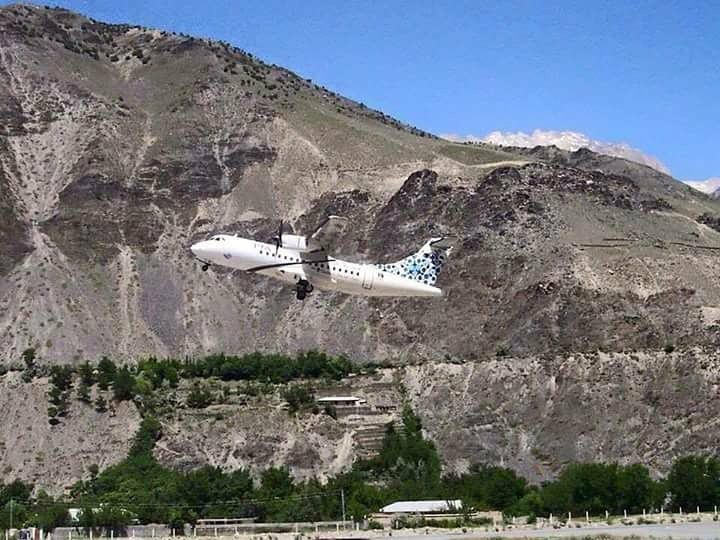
{"x": 644, "y": 73}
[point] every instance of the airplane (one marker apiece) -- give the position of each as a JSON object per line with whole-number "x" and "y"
{"x": 305, "y": 262}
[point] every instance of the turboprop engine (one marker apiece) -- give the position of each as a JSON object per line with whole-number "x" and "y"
{"x": 300, "y": 243}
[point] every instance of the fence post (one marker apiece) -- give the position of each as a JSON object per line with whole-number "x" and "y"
{"x": 607, "y": 515}
{"x": 587, "y": 516}
{"x": 549, "y": 518}
{"x": 697, "y": 510}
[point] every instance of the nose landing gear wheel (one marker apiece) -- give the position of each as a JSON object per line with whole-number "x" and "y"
{"x": 302, "y": 289}
{"x": 205, "y": 267}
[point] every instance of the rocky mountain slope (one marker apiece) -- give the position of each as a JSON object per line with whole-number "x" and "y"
{"x": 120, "y": 146}
{"x": 123, "y": 145}
{"x": 531, "y": 414}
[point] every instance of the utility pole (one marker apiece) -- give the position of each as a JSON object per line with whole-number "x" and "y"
{"x": 342, "y": 501}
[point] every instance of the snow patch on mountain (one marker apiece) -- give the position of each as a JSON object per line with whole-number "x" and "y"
{"x": 709, "y": 186}
{"x": 566, "y": 140}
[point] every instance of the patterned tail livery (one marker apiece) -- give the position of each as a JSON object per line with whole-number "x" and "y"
{"x": 423, "y": 266}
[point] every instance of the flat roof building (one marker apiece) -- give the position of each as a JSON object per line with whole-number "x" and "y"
{"x": 422, "y": 507}
{"x": 341, "y": 400}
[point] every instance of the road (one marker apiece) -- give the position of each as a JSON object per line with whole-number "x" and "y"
{"x": 708, "y": 530}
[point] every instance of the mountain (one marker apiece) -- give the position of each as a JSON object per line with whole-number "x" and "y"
{"x": 711, "y": 186}
{"x": 123, "y": 145}
{"x": 567, "y": 140}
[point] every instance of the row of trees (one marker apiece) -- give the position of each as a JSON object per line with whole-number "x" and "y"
{"x": 259, "y": 371}
{"x": 407, "y": 467}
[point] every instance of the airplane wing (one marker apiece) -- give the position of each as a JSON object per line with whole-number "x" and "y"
{"x": 329, "y": 231}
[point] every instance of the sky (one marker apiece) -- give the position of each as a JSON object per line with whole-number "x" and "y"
{"x": 642, "y": 73}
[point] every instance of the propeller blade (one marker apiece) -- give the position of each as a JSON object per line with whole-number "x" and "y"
{"x": 278, "y": 238}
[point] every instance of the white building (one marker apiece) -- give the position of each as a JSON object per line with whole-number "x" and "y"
{"x": 342, "y": 401}
{"x": 423, "y": 507}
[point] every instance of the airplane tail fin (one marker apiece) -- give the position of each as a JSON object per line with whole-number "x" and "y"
{"x": 423, "y": 266}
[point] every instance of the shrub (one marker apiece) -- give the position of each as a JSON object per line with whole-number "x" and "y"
{"x": 299, "y": 397}
{"x": 100, "y": 404}
{"x": 199, "y": 397}
{"x": 87, "y": 374}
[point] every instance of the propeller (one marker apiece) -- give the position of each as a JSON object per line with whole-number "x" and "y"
{"x": 278, "y": 237}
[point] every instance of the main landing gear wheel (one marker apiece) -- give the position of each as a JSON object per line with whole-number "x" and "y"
{"x": 303, "y": 288}
{"x": 205, "y": 267}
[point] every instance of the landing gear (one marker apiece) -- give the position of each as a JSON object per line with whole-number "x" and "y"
{"x": 205, "y": 267}
{"x": 303, "y": 288}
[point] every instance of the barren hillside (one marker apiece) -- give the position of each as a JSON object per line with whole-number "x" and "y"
{"x": 121, "y": 145}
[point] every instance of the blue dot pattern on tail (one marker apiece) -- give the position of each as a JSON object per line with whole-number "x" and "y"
{"x": 423, "y": 266}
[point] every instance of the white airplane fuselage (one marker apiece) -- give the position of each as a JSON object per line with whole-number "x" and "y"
{"x": 319, "y": 269}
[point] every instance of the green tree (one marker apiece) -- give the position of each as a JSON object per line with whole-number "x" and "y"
{"x": 276, "y": 482}
{"x": 113, "y": 517}
{"x": 59, "y": 393}
{"x": 106, "y": 373}
{"x": 123, "y": 385}
{"x": 86, "y": 519}
{"x": 410, "y": 462}
{"x": 48, "y": 514}
{"x": 694, "y": 481}
{"x": 83, "y": 393}
{"x": 636, "y": 490}
{"x": 87, "y": 374}
{"x": 29, "y": 358}
{"x": 144, "y": 441}
{"x": 494, "y": 488}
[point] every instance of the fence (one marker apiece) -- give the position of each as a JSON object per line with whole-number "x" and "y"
{"x": 205, "y": 530}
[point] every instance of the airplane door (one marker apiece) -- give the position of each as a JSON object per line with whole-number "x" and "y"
{"x": 368, "y": 274}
